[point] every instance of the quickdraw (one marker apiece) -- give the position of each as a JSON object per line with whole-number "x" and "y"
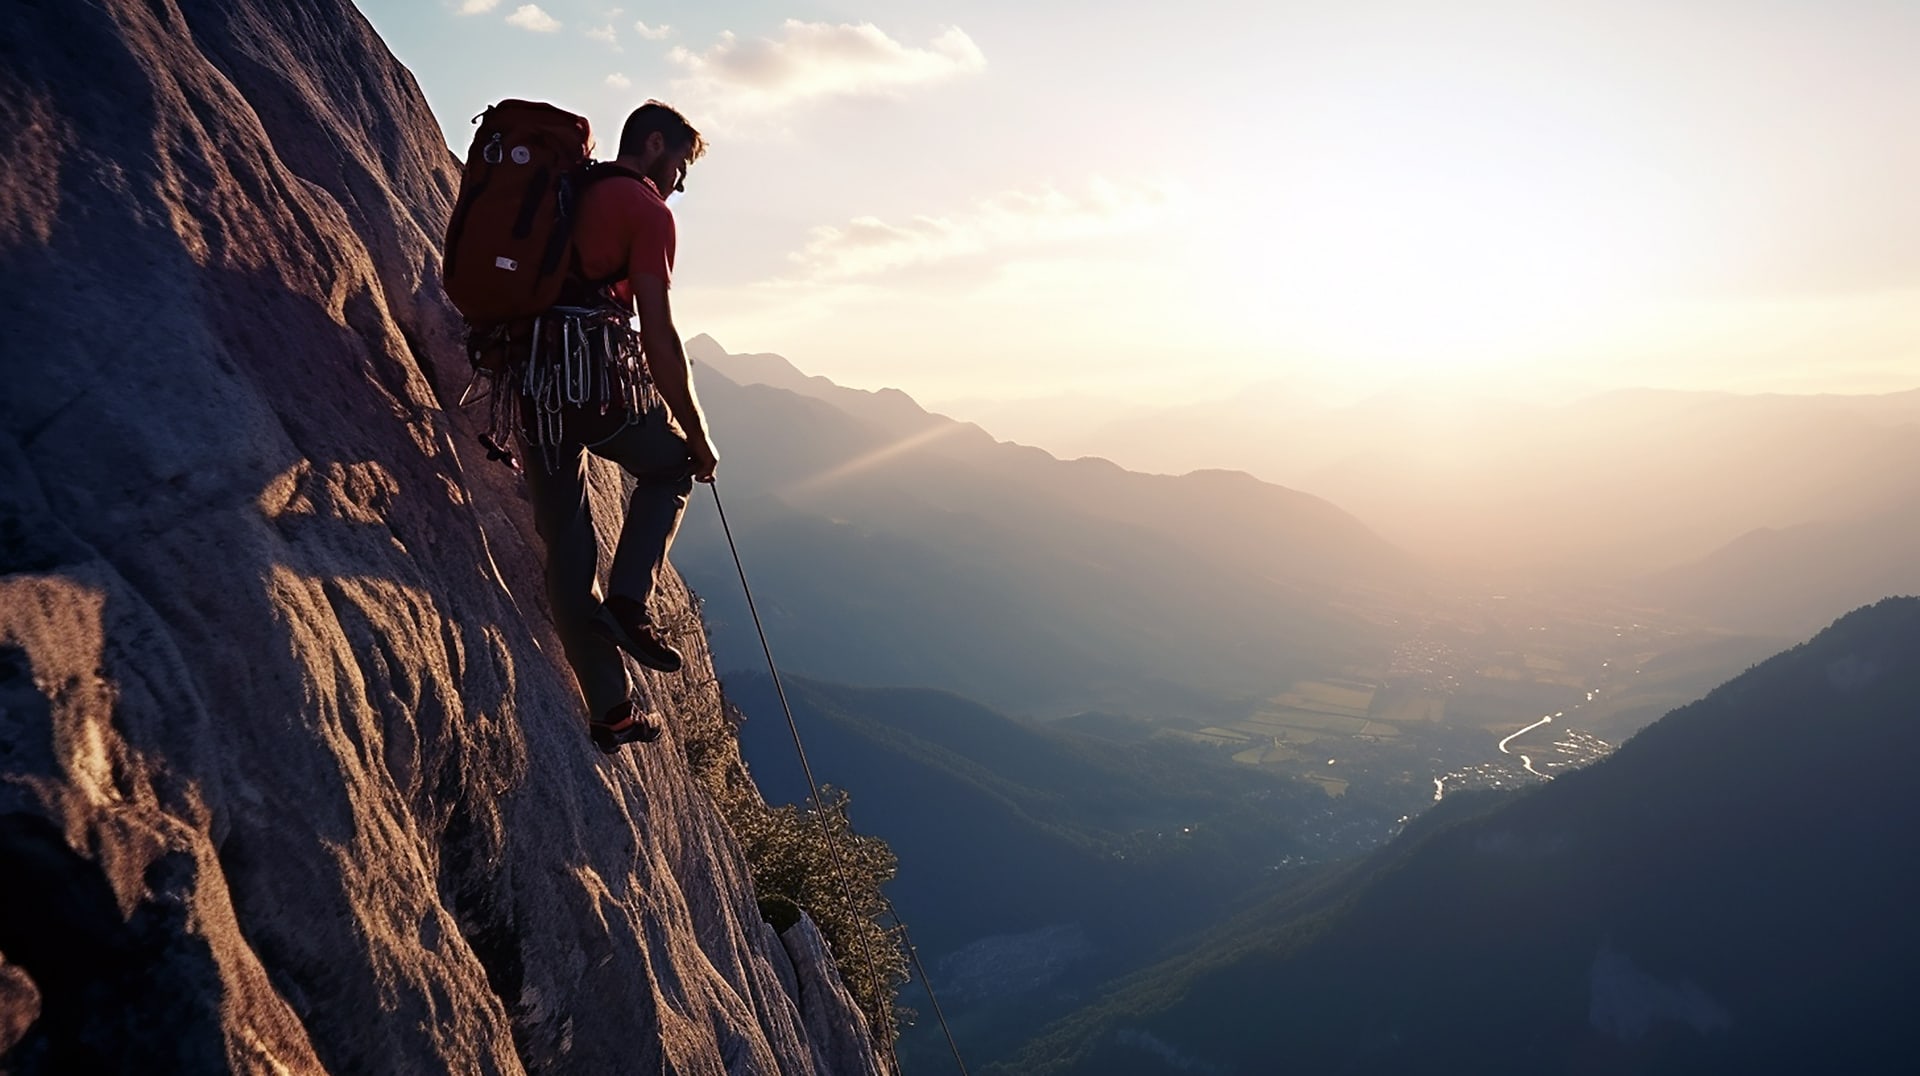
{"x": 575, "y": 358}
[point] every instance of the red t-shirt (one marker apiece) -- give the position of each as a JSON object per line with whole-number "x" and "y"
{"x": 624, "y": 222}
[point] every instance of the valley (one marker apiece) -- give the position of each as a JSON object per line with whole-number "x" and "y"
{"x": 1664, "y": 909}
{"x": 1473, "y": 691}
{"x": 1431, "y": 589}
{"x": 1103, "y": 716}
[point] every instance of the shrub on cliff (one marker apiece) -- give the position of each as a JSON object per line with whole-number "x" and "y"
{"x": 794, "y": 870}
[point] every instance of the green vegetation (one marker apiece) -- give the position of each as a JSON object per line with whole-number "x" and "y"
{"x": 1332, "y": 786}
{"x": 1344, "y": 697}
{"x": 795, "y": 869}
{"x": 1316, "y": 711}
{"x": 1674, "y": 678}
{"x": 1267, "y": 754}
{"x": 1408, "y": 707}
{"x": 1746, "y": 860}
{"x": 1006, "y": 828}
{"x": 791, "y": 853}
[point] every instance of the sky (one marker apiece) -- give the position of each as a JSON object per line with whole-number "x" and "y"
{"x": 1122, "y": 202}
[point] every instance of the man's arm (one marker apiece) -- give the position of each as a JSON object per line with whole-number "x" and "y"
{"x": 667, "y": 362}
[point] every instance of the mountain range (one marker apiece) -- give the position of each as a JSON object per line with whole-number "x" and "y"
{"x": 888, "y": 545}
{"x": 1791, "y": 579}
{"x": 1615, "y": 484}
{"x": 1037, "y": 861}
{"x": 293, "y": 775}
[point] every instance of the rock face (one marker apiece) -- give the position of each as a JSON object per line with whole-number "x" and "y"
{"x": 292, "y": 777}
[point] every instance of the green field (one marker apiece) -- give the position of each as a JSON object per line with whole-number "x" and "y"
{"x": 1322, "y": 712}
{"x": 1408, "y": 708}
{"x": 1347, "y": 697}
{"x": 1532, "y": 669}
{"x": 1264, "y": 754}
{"x": 1212, "y": 735}
{"x": 1332, "y": 786}
{"x": 1305, "y": 726}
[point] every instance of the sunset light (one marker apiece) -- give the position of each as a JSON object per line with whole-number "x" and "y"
{"x": 1041, "y": 537}
{"x": 1472, "y": 197}
{"x": 1401, "y": 249}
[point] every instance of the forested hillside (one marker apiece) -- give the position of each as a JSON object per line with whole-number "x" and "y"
{"x": 1730, "y": 892}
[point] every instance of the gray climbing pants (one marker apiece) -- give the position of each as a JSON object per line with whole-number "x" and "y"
{"x": 652, "y": 450}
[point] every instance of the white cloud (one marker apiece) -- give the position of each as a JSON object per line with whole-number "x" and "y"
{"x": 814, "y": 60}
{"x": 619, "y": 81}
{"x": 867, "y": 246}
{"x": 606, "y": 34}
{"x": 651, "y": 33}
{"x": 532, "y": 17}
{"x": 478, "y": 7}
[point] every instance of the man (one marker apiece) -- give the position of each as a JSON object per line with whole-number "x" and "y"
{"x": 624, "y": 238}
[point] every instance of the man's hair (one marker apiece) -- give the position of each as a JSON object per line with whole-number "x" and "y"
{"x": 664, "y": 118}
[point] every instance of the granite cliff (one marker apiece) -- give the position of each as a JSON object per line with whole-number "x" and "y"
{"x": 292, "y": 777}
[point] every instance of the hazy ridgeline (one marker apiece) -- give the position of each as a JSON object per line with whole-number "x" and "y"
{"x": 1616, "y": 485}
{"x": 292, "y": 777}
{"x": 894, "y": 547}
{"x": 1765, "y": 514}
{"x": 900, "y": 547}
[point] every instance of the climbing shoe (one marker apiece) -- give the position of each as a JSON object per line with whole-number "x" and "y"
{"x": 623, "y": 622}
{"x": 624, "y": 724}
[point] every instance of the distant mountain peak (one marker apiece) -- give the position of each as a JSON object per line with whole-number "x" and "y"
{"x": 755, "y": 369}
{"x": 889, "y": 408}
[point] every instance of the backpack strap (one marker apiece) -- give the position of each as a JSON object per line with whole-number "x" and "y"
{"x": 588, "y": 176}
{"x": 600, "y": 170}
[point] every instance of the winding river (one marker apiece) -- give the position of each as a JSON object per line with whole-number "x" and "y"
{"x": 1524, "y": 760}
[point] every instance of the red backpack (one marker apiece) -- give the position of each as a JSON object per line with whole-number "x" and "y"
{"x": 510, "y": 240}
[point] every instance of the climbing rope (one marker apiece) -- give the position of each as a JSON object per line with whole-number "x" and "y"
{"x": 833, "y": 846}
{"x": 913, "y": 952}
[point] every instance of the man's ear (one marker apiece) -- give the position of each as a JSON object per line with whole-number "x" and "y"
{"x": 656, "y": 143}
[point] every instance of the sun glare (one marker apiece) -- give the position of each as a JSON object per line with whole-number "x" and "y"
{"x": 1421, "y": 274}
{"x": 1427, "y": 241}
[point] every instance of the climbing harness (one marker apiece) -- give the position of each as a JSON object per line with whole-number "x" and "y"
{"x": 833, "y": 846}
{"x": 568, "y": 362}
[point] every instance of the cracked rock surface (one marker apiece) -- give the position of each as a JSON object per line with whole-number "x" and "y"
{"x": 292, "y": 777}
